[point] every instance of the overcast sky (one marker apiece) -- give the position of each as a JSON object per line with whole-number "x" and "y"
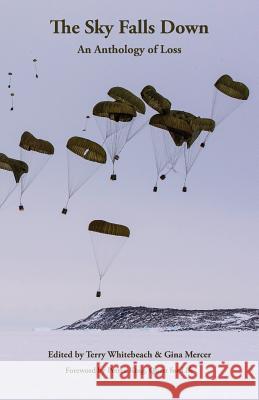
{"x": 193, "y": 250}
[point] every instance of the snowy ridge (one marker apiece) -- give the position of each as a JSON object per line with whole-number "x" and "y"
{"x": 169, "y": 319}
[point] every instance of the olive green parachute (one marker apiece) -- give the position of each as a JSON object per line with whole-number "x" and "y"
{"x": 87, "y": 149}
{"x": 84, "y": 157}
{"x": 114, "y": 110}
{"x": 107, "y": 240}
{"x": 17, "y": 167}
{"x": 31, "y": 143}
{"x": 198, "y": 125}
{"x": 202, "y": 124}
{"x": 125, "y": 96}
{"x": 109, "y": 228}
{"x": 231, "y": 88}
{"x": 155, "y": 100}
{"x": 183, "y": 126}
{"x": 176, "y": 123}
{"x": 183, "y": 130}
{"x": 119, "y": 122}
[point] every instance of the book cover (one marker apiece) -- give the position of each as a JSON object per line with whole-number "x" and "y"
{"x": 129, "y": 199}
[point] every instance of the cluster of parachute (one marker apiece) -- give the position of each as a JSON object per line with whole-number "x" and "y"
{"x": 181, "y": 128}
{"x": 174, "y": 133}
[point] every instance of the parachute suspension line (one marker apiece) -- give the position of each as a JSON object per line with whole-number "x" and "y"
{"x": 213, "y": 104}
{"x": 70, "y": 190}
{"x": 64, "y": 211}
{"x": 113, "y": 175}
{"x": 158, "y": 155}
{"x": 30, "y": 157}
{"x": 192, "y": 157}
{"x": 21, "y": 208}
{"x": 223, "y": 118}
{"x": 31, "y": 161}
{"x": 155, "y": 188}
{"x": 169, "y": 169}
{"x": 122, "y": 137}
{"x": 131, "y": 123}
{"x": 98, "y": 293}
{"x": 12, "y": 102}
{"x": 112, "y": 152}
{"x": 229, "y": 108}
{"x": 86, "y": 123}
{"x": 137, "y": 130}
{"x": 184, "y": 189}
{"x": 100, "y": 272}
{"x": 189, "y": 160}
{"x": 8, "y": 195}
{"x": 116, "y": 142}
{"x": 173, "y": 159}
{"x": 76, "y": 181}
{"x": 35, "y": 61}
{"x": 128, "y": 138}
{"x": 10, "y": 74}
{"x": 112, "y": 259}
{"x": 203, "y": 144}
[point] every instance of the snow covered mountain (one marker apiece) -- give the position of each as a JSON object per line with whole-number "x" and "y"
{"x": 169, "y": 319}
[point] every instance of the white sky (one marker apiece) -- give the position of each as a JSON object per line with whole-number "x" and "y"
{"x": 194, "y": 250}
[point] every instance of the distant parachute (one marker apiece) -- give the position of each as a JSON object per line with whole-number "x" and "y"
{"x": 120, "y": 121}
{"x": 155, "y": 100}
{"x": 10, "y": 74}
{"x": 83, "y": 159}
{"x": 12, "y": 101}
{"x": 37, "y": 153}
{"x": 35, "y": 63}
{"x": 107, "y": 240}
{"x": 86, "y": 123}
{"x": 9, "y": 182}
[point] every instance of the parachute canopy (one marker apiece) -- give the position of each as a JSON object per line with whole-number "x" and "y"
{"x": 125, "y": 96}
{"x": 155, "y": 100}
{"x": 109, "y": 228}
{"x": 182, "y": 126}
{"x": 114, "y": 110}
{"x": 198, "y": 125}
{"x": 203, "y": 124}
{"x": 178, "y": 127}
{"x": 17, "y": 167}
{"x": 231, "y": 88}
{"x": 87, "y": 149}
{"x": 31, "y": 143}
